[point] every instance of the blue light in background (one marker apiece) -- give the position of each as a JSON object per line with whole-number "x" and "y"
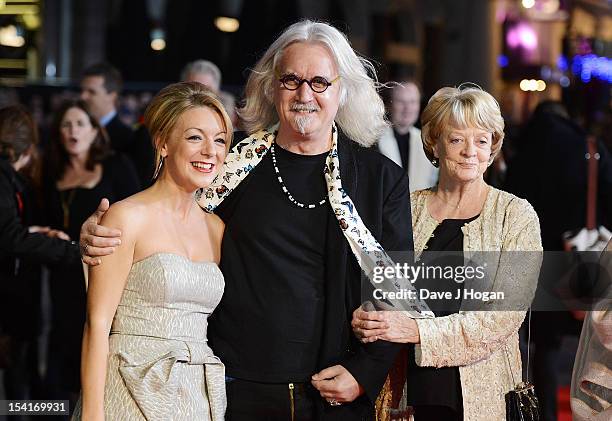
{"x": 590, "y": 65}
{"x": 576, "y": 64}
{"x": 562, "y": 63}
{"x": 502, "y": 60}
{"x": 564, "y": 81}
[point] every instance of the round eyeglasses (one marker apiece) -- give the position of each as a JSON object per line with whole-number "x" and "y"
{"x": 318, "y": 83}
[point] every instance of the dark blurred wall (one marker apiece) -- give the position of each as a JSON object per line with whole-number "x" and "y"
{"x": 439, "y": 42}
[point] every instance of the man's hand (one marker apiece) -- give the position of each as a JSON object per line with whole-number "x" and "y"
{"x": 49, "y": 232}
{"x": 58, "y": 234}
{"x": 38, "y": 229}
{"x": 96, "y": 240}
{"x": 337, "y": 384}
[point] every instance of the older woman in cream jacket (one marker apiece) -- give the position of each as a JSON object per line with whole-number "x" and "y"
{"x": 465, "y": 360}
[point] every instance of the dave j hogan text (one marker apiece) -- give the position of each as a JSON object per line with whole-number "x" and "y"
{"x": 425, "y": 294}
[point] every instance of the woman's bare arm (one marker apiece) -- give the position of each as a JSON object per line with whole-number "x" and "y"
{"x": 106, "y": 284}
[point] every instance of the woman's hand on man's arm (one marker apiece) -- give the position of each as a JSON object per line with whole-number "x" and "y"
{"x": 391, "y": 326}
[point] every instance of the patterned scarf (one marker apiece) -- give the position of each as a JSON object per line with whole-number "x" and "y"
{"x": 245, "y": 156}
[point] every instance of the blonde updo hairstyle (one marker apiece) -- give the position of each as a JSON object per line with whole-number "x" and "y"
{"x": 467, "y": 106}
{"x": 170, "y": 103}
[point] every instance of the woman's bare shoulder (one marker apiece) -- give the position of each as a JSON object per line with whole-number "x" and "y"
{"x": 130, "y": 212}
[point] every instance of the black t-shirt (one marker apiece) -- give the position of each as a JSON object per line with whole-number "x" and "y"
{"x": 430, "y": 385}
{"x": 269, "y": 323}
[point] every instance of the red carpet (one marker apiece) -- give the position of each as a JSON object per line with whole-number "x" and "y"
{"x": 564, "y": 410}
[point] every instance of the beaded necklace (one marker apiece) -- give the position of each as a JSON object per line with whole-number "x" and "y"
{"x": 287, "y": 192}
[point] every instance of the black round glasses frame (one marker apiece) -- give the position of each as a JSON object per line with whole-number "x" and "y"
{"x": 291, "y": 79}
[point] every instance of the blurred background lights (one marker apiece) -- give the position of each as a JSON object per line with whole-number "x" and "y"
{"x": 549, "y": 6}
{"x": 532, "y": 85}
{"x": 50, "y": 70}
{"x": 158, "y": 39}
{"x": 158, "y": 44}
{"x": 522, "y": 35}
{"x": 31, "y": 22}
{"x": 562, "y": 63}
{"x": 524, "y": 85}
{"x": 564, "y": 81}
{"x": 528, "y": 4}
{"x": 502, "y": 60}
{"x": 227, "y": 24}
{"x": 10, "y": 36}
{"x": 590, "y": 65}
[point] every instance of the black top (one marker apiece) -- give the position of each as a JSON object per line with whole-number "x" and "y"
{"x": 67, "y": 282}
{"x": 119, "y": 180}
{"x": 379, "y": 189}
{"x": 430, "y": 385}
{"x": 403, "y": 143}
{"x": 272, "y": 257}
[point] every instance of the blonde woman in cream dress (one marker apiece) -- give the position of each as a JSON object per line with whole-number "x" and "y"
{"x": 145, "y": 355}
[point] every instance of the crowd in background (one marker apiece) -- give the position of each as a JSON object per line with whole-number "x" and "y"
{"x": 91, "y": 144}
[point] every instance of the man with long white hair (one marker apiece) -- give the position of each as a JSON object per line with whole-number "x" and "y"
{"x": 303, "y": 200}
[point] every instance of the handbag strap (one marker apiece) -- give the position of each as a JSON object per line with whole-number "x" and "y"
{"x": 592, "y": 157}
{"x": 528, "y": 342}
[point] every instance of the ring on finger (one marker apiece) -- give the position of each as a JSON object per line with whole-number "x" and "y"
{"x": 334, "y": 402}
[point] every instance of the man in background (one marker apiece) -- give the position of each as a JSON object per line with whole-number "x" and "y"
{"x": 208, "y": 74}
{"x": 203, "y": 71}
{"x": 402, "y": 142}
{"x": 101, "y": 86}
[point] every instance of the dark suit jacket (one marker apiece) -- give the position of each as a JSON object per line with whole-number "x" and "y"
{"x": 380, "y": 192}
{"x": 15, "y": 240}
{"x": 142, "y": 155}
{"x": 119, "y": 134}
{"x": 20, "y": 251}
{"x": 136, "y": 145}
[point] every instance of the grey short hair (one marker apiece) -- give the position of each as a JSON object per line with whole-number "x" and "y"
{"x": 360, "y": 116}
{"x": 203, "y": 67}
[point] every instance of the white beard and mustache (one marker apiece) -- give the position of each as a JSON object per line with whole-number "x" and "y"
{"x": 302, "y": 121}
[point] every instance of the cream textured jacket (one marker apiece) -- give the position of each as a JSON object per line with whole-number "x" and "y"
{"x": 475, "y": 340}
{"x": 483, "y": 344}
